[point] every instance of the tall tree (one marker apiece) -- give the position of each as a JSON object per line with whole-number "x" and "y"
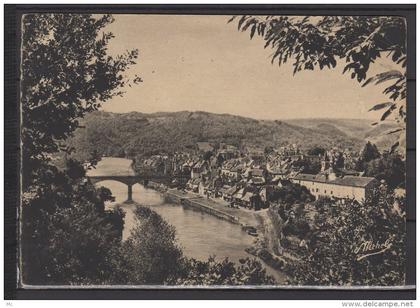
{"x": 65, "y": 73}
{"x": 389, "y": 167}
{"x": 151, "y": 254}
{"x": 369, "y": 152}
{"x": 66, "y": 230}
{"x": 319, "y": 41}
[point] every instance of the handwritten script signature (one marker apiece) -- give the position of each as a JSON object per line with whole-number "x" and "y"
{"x": 370, "y": 248}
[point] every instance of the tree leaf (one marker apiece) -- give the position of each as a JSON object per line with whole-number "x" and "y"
{"x": 388, "y": 112}
{"x": 382, "y": 77}
{"x": 253, "y": 28}
{"x": 231, "y": 19}
{"x": 394, "y": 131}
{"x": 395, "y": 146}
{"x": 380, "y": 106}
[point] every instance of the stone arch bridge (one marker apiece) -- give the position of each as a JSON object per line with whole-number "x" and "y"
{"x": 120, "y": 170}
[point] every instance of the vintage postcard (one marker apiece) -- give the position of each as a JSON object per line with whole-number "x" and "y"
{"x": 179, "y": 151}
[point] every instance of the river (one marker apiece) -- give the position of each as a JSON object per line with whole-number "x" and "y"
{"x": 199, "y": 234}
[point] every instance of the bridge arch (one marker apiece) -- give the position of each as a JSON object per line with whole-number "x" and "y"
{"x": 128, "y": 181}
{"x": 120, "y": 179}
{"x": 120, "y": 170}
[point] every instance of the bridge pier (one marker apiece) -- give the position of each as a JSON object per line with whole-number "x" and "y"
{"x": 130, "y": 193}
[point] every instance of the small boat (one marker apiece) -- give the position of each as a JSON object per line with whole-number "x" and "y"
{"x": 252, "y": 232}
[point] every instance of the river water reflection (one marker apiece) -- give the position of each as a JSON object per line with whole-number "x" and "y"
{"x": 199, "y": 234}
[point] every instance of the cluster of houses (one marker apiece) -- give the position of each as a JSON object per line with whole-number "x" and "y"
{"x": 336, "y": 181}
{"x": 245, "y": 177}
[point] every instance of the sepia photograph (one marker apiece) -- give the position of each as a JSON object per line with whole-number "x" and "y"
{"x": 212, "y": 151}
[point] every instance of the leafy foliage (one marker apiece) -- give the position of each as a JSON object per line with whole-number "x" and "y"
{"x": 336, "y": 254}
{"x": 66, "y": 231}
{"x": 291, "y": 193}
{"x": 389, "y": 167}
{"x": 307, "y": 165}
{"x": 318, "y": 42}
{"x": 212, "y": 272}
{"x": 151, "y": 254}
{"x": 299, "y": 228}
{"x": 66, "y": 73}
{"x": 369, "y": 152}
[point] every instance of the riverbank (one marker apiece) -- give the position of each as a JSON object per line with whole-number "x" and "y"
{"x": 262, "y": 246}
{"x": 216, "y": 208}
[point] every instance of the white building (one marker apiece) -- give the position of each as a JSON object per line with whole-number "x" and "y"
{"x": 328, "y": 185}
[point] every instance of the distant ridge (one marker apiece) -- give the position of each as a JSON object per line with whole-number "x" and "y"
{"x": 356, "y": 128}
{"x": 136, "y": 133}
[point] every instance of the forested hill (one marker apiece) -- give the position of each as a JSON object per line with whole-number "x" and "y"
{"x": 136, "y": 133}
{"x": 356, "y": 128}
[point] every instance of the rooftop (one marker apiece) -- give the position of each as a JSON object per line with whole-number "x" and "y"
{"x": 356, "y": 181}
{"x": 348, "y": 180}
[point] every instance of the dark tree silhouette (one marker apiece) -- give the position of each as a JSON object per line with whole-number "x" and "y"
{"x": 368, "y": 153}
{"x": 318, "y": 42}
{"x": 66, "y": 72}
{"x": 389, "y": 167}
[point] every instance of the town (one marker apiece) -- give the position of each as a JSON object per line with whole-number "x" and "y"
{"x": 251, "y": 178}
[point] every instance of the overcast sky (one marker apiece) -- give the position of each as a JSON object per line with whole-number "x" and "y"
{"x": 202, "y": 63}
